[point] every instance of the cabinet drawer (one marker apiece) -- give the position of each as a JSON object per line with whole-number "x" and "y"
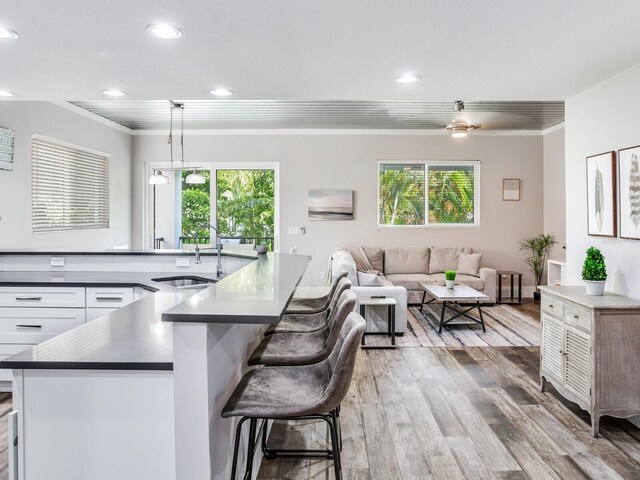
{"x": 109, "y": 297}
{"x": 553, "y": 306}
{"x": 6, "y": 350}
{"x": 579, "y": 317}
{"x": 42, "y": 297}
{"x": 34, "y": 325}
{"x": 93, "y": 313}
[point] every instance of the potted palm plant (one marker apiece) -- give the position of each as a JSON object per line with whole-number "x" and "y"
{"x": 538, "y": 251}
{"x": 594, "y": 272}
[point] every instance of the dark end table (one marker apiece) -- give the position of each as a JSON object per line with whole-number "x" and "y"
{"x": 512, "y": 274}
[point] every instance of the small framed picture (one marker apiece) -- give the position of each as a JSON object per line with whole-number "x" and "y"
{"x": 629, "y": 192}
{"x": 601, "y": 195}
{"x": 511, "y": 189}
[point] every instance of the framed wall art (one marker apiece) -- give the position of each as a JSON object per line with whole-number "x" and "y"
{"x": 6, "y": 148}
{"x": 330, "y": 204}
{"x": 601, "y": 195}
{"x": 629, "y": 192}
{"x": 511, "y": 189}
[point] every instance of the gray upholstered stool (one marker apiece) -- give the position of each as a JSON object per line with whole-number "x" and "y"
{"x": 312, "y": 322}
{"x": 295, "y": 348}
{"x": 314, "y": 305}
{"x": 296, "y": 393}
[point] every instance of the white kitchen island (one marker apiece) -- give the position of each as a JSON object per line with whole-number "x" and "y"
{"x": 131, "y": 396}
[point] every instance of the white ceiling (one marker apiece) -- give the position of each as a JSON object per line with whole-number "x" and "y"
{"x": 322, "y": 50}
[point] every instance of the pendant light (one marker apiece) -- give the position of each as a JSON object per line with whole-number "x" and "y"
{"x": 158, "y": 178}
{"x": 458, "y": 127}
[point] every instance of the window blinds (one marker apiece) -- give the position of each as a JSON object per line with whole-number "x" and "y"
{"x": 69, "y": 186}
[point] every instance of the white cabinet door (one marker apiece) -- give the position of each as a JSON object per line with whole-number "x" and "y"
{"x": 577, "y": 372}
{"x": 35, "y": 325}
{"x": 109, "y": 297}
{"x": 35, "y": 296}
{"x": 552, "y": 347}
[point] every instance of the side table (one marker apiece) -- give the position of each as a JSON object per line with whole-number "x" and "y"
{"x": 391, "y": 303}
{"x": 512, "y": 274}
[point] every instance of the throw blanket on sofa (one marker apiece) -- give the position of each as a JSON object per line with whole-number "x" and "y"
{"x": 359, "y": 257}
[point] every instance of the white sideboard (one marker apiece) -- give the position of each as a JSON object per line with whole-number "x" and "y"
{"x": 590, "y": 350}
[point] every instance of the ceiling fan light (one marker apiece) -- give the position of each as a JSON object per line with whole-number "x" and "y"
{"x": 195, "y": 178}
{"x": 458, "y": 132}
{"x": 158, "y": 178}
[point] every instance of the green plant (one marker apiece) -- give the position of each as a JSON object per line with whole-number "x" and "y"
{"x": 450, "y": 275}
{"x": 594, "y": 268}
{"x": 538, "y": 248}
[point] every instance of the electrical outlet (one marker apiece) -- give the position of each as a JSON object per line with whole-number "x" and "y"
{"x": 182, "y": 262}
{"x": 303, "y": 230}
{"x": 294, "y": 231}
{"x": 57, "y": 261}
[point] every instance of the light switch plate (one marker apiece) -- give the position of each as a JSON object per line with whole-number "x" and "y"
{"x": 294, "y": 231}
{"x": 182, "y": 262}
{"x": 57, "y": 261}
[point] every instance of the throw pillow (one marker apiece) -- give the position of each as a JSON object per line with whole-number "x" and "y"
{"x": 469, "y": 264}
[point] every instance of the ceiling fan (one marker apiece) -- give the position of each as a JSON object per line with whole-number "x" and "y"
{"x": 458, "y": 127}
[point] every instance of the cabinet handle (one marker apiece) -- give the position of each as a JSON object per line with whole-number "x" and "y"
{"x": 109, "y": 299}
{"x": 25, "y": 299}
{"x": 23, "y": 325}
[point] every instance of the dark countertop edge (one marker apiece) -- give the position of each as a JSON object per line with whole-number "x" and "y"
{"x": 44, "y": 365}
{"x": 207, "y": 318}
{"x": 63, "y": 253}
{"x": 80, "y": 284}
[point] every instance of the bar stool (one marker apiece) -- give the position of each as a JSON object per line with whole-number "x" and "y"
{"x": 296, "y": 393}
{"x": 309, "y": 322}
{"x": 300, "y": 348}
{"x": 314, "y": 305}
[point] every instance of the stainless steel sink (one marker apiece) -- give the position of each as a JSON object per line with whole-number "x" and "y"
{"x": 187, "y": 282}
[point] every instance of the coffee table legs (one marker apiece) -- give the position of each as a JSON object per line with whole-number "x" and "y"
{"x": 461, "y": 313}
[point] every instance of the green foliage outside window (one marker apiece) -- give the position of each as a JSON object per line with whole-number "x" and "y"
{"x": 196, "y": 207}
{"x": 451, "y": 194}
{"x": 402, "y": 195}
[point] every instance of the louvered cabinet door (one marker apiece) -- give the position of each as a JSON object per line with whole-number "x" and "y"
{"x": 552, "y": 347}
{"x": 577, "y": 372}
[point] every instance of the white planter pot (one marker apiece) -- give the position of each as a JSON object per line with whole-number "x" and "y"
{"x": 594, "y": 288}
{"x": 449, "y": 283}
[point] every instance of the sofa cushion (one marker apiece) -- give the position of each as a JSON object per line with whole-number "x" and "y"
{"x": 469, "y": 264}
{"x": 473, "y": 282}
{"x": 406, "y": 260}
{"x": 375, "y": 256}
{"x": 342, "y": 261}
{"x": 410, "y": 281}
{"x": 442, "y": 259}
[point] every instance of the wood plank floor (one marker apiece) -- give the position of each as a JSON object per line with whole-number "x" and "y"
{"x": 453, "y": 412}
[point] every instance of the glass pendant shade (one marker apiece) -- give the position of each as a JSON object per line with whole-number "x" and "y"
{"x": 195, "y": 178}
{"x": 158, "y": 178}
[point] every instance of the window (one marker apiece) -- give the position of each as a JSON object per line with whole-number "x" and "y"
{"x": 429, "y": 193}
{"x": 69, "y": 186}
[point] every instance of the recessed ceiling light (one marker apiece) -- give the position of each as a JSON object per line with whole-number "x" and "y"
{"x": 408, "y": 78}
{"x": 114, "y": 93}
{"x": 5, "y": 33}
{"x": 164, "y": 31}
{"x": 5, "y": 93}
{"x": 221, "y": 92}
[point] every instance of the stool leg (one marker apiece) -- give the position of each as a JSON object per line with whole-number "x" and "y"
{"x": 251, "y": 444}
{"x": 236, "y": 446}
{"x": 338, "y": 426}
{"x": 266, "y": 453}
{"x": 337, "y": 466}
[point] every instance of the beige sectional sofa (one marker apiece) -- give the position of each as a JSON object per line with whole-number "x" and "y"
{"x": 410, "y": 266}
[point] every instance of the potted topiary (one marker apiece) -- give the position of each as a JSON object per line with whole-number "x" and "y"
{"x": 538, "y": 247}
{"x": 450, "y": 278}
{"x": 594, "y": 272}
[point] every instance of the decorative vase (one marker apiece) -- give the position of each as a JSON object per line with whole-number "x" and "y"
{"x": 595, "y": 288}
{"x": 450, "y": 284}
{"x": 261, "y": 249}
{"x": 536, "y": 295}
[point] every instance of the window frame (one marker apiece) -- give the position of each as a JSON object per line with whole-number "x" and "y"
{"x": 103, "y": 213}
{"x": 426, "y": 163}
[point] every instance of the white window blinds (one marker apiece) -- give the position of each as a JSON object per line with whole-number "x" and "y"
{"x": 69, "y": 186}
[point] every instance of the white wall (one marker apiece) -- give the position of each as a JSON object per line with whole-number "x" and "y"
{"x": 601, "y": 119}
{"x": 349, "y": 161}
{"x": 45, "y": 118}
{"x": 554, "y": 190}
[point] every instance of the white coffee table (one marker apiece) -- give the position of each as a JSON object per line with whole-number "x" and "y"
{"x": 450, "y": 297}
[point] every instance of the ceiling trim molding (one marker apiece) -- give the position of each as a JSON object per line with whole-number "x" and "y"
{"x": 559, "y": 126}
{"x": 340, "y": 131}
{"x": 93, "y": 116}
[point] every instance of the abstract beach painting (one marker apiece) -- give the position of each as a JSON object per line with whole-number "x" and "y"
{"x": 330, "y": 204}
{"x": 629, "y": 172}
{"x": 601, "y": 195}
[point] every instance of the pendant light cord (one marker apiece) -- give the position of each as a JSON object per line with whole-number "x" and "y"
{"x": 182, "y": 134}
{"x": 170, "y": 140}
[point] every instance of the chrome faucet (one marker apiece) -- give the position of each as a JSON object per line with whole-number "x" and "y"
{"x": 218, "y": 247}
